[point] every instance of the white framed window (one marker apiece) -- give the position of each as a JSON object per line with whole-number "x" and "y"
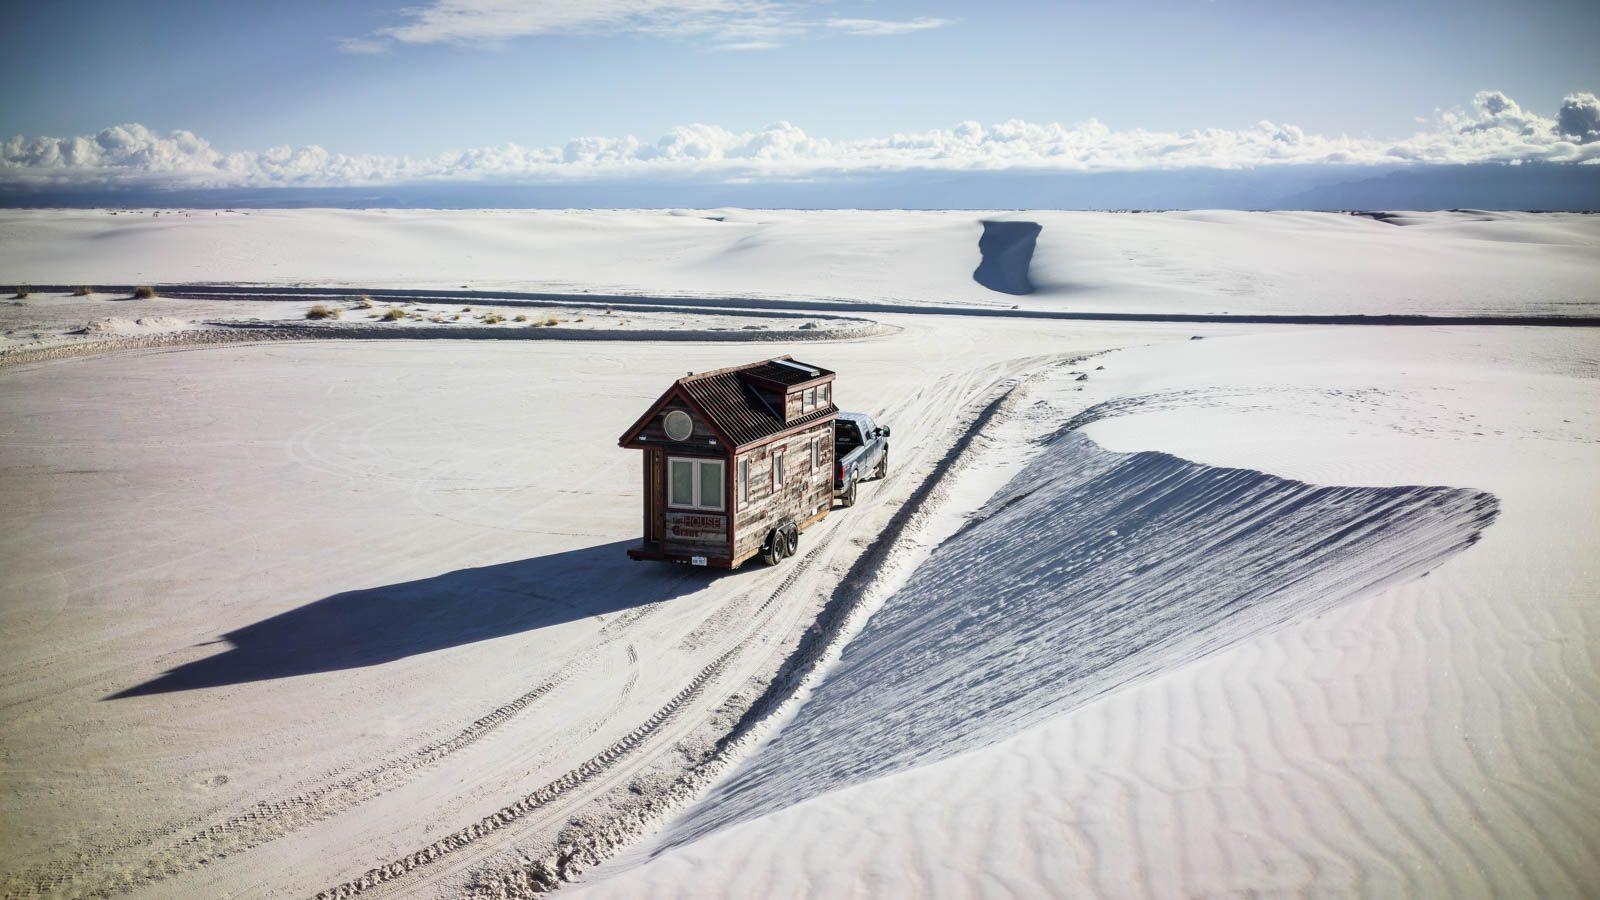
{"x": 744, "y": 480}
{"x": 825, "y": 393}
{"x": 777, "y": 468}
{"x": 694, "y": 483}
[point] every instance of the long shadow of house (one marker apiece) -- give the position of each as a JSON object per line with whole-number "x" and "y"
{"x": 378, "y": 625}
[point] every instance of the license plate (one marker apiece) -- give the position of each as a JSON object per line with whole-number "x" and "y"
{"x": 697, "y": 560}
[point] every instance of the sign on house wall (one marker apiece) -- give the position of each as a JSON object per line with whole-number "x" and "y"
{"x": 703, "y": 529}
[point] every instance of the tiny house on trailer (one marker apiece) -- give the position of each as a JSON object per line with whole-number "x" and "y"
{"x": 737, "y": 462}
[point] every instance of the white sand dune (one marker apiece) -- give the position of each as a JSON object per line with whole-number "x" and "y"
{"x": 1196, "y": 262}
{"x": 1088, "y": 572}
{"x": 354, "y": 616}
{"x": 117, "y": 325}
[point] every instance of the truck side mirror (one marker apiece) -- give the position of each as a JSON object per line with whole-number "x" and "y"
{"x": 883, "y": 430}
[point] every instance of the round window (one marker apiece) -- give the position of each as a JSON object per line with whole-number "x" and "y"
{"x": 678, "y": 424}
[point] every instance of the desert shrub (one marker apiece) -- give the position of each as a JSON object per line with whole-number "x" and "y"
{"x": 466, "y": 309}
{"x": 520, "y": 319}
{"x": 22, "y": 292}
{"x": 492, "y": 319}
{"x": 144, "y": 292}
{"x": 363, "y": 302}
{"x": 82, "y": 291}
{"x": 393, "y": 314}
{"x": 551, "y": 320}
{"x": 322, "y": 312}
{"x": 578, "y": 319}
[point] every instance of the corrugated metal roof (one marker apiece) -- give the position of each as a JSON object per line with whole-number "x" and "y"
{"x": 738, "y": 410}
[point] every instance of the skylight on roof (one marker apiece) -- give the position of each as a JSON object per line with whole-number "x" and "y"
{"x": 794, "y": 365}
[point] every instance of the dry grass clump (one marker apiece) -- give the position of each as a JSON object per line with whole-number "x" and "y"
{"x": 363, "y": 302}
{"x": 144, "y": 292}
{"x": 549, "y": 321}
{"x": 493, "y": 319}
{"x": 322, "y": 312}
{"x": 82, "y": 291}
{"x": 392, "y": 314}
{"x": 466, "y": 309}
{"x": 22, "y": 292}
{"x": 520, "y": 319}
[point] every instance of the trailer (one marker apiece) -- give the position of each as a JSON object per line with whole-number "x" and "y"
{"x": 736, "y": 463}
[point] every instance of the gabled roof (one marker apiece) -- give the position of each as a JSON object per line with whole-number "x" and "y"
{"x": 732, "y": 405}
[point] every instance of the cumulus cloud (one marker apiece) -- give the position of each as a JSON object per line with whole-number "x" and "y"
{"x": 1494, "y": 130}
{"x": 1580, "y": 117}
{"x": 730, "y": 24}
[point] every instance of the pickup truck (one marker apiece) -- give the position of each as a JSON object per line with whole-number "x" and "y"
{"x": 860, "y": 452}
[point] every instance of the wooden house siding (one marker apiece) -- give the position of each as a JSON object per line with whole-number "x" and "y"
{"x": 807, "y": 491}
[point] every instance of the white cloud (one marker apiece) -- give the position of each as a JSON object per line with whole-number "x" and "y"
{"x": 883, "y": 27}
{"x": 1494, "y": 130}
{"x": 1580, "y": 117}
{"x": 463, "y": 21}
{"x": 362, "y": 45}
{"x": 729, "y": 24}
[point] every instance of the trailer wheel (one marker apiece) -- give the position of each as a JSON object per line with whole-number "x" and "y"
{"x": 848, "y": 498}
{"x": 779, "y": 545}
{"x": 793, "y": 542}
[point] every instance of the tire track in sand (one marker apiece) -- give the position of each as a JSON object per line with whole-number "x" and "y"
{"x": 757, "y": 621}
{"x": 272, "y": 819}
{"x": 594, "y": 767}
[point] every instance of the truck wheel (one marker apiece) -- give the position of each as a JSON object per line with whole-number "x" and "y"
{"x": 848, "y": 498}
{"x": 883, "y": 464}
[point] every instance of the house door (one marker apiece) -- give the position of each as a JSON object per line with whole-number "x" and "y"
{"x": 656, "y": 497}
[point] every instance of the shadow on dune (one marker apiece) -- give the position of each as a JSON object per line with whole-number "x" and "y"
{"x": 1091, "y": 571}
{"x": 379, "y": 625}
{"x": 1007, "y": 250}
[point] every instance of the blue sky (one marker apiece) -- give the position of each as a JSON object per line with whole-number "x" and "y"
{"x": 417, "y": 78}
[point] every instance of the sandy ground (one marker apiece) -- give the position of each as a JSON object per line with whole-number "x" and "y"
{"x": 56, "y": 323}
{"x": 354, "y": 616}
{"x": 248, "y": 575}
